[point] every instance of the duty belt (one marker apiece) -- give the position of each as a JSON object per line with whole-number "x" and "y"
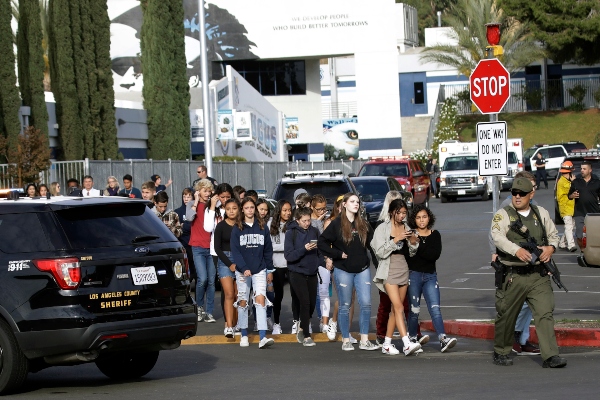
{"x": 526, "y": 269}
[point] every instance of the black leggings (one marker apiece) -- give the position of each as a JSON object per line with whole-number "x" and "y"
{"x": 305, "y": 287}
{"x": 278, "y": 283}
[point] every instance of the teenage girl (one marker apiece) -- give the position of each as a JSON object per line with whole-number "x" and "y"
{"x": 277, "y": 228}
{"x": 252, "y": 253}
{"x": 226, "y": 266}
{"x": 389, "y": 241}
{"x": 346, "y": 242}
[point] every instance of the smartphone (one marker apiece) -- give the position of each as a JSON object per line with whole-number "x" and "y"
{"x": 314, "y": 241}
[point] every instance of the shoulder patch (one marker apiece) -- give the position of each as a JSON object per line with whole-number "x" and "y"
{"x": 497, "y": 218}
{"x": 496, "y": 227}
{"x": 512, "y": 219}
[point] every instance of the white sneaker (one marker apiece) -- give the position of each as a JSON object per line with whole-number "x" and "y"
{"x": 324, "y": 328}
{"x": 347, "y": 346}
{"x": 269, "y": 324}
{"x": 295, "y": 326}
{"x": 368, "y": 345}
{"x": 276, "y": 329}
{"x": 411, "y": 348}
{"x": 265, "y": 342}
{"x": 228, "y": 332}
{"x": 390, "y": 349}
{"x": 244, "y": 341}
{"x": 352, "y": 340}
{"x": 332, "y": 330}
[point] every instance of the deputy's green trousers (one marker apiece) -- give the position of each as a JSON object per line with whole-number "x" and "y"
{"x": 537, "y": 291}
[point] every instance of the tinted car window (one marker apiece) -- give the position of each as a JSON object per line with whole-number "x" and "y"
{"x": 460, "y": 163}
{"x": 111, "y": 225}
{"x": 556, "y": 152}
{"x": 387, "y": 169}
{"x": 512, "y": 157}
{"x": 377, "y": 189}
{"x": 330, "y": 190}
{"x": 22, "y": 233}
{"x": 544, "y": 153}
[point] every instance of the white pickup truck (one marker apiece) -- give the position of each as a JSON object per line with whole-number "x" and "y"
{"x": 460, "y": 178}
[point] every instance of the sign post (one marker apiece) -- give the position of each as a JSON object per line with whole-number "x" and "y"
{"x": 490, "y": 90}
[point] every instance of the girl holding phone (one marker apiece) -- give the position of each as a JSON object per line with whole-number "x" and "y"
{"x": 303, "y": 260}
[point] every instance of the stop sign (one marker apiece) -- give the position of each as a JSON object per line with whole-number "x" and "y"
{"x": 490, "y": 86}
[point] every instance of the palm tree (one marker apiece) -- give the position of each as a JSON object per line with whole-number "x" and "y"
{"x": 467, "y": 20}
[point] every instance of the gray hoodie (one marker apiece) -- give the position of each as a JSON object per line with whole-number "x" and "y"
{"x": 279, "y": 260}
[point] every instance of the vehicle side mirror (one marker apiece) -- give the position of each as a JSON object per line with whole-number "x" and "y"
{"x": 417, "y": 174}
{"x": 352, "y": 175}
{"x": 366, "y": 197}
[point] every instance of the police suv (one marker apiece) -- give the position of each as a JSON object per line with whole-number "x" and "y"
{"x": 88, "y": 280}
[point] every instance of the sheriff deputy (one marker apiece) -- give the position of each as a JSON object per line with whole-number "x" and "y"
{"x": 523, "y": 281}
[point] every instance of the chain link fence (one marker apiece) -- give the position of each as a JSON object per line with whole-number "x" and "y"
{"x": 250, "y": 175}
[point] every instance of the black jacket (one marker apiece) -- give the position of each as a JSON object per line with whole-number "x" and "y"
{"x": 588, "y": 195}
{"x": 298, "y": 258}
{"x": 332, "y": 245}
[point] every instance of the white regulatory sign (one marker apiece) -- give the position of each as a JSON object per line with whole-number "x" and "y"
{"x": 491, "y": 148}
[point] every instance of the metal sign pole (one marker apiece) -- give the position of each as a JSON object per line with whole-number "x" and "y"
{"x": 208, "y": 128}
{"x": 495, "y": 191}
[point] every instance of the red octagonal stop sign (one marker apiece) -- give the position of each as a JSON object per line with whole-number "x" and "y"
{"x": 490, "y": 86}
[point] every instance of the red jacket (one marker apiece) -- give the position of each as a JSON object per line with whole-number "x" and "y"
{"x": 199, "y": 237}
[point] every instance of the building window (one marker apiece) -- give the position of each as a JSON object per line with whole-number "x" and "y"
{"x": 273, "y": 78}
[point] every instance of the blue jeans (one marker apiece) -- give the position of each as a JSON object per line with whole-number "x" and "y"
{"x": 427, "y": 285}
{"x": 345, "y": 283}
{"x": 258, "y": 284}
{"x": 523, "y": 322}
{"x": 205, "y": 278}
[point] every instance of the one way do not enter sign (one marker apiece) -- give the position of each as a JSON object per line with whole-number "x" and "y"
{"x": 491, "y": 148}
{"x": 490, "y": 86}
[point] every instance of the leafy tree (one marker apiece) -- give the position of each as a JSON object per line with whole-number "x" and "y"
{"x": 10, "y": 126}
{"x": 569, "y": 29}
{"x": 446, "y": 127}
{"x": 31, "y": 63}
{"x": 28, "y": 158}
{"x": 467, "y": 20}
{"x": 166, "y": 90}
{"x": 79, "y": 40}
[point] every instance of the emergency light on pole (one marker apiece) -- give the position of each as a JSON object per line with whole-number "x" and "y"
{"x": 490, "y": 90}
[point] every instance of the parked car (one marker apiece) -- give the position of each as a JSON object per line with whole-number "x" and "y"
{"x": 329, "y": 183}
{"x": 373, "y": 189}
{"x": 96, "y": 279}
{"x": 590, "y": 257}
{"x": 409, "y": 173}
{"x": 554, "y": 154}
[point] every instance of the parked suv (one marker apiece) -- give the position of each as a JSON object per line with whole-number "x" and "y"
{"x": 554, "y": 155}
{"x": 409, "y": 173}
{"x": 460, "y": 178}
{"x": 329, "y": 183}
{"x": 88, "y": 280}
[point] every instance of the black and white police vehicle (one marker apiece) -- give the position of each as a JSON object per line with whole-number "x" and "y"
{"x": 88, "y": 280}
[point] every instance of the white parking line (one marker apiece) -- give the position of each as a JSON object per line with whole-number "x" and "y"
{"x": 484, "y": 273}
{"x": 460, "y": 280}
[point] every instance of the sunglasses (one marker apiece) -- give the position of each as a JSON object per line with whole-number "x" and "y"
{"x": 517, "y": 192}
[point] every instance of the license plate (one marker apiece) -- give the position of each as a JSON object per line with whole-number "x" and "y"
{"x": 144, "y": 276}
{"x": 462, "y": 192}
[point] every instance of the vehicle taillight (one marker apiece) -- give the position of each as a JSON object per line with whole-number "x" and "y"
{"x": 66, "y": 271}
{"x": 584, "y": 238}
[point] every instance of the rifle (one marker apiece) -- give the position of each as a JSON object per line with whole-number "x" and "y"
{"x": 531, "y": 245}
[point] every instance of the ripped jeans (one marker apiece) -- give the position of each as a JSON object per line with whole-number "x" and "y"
{"x": 345, "y": 282}
{"x": 259, "y": 288}
{"x": 427, "y": 285}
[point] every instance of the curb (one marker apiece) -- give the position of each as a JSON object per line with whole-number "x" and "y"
{"x": 565, "y": 337}
{"x": 254, "y": 338}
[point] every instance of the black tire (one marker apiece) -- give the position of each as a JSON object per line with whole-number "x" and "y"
{"x": 14, "y": 366}
{"x": 444, "y": 198}
{"x": 123, "y": 366}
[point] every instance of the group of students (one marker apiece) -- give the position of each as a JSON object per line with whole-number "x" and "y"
{"x": 232, "y": 237}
